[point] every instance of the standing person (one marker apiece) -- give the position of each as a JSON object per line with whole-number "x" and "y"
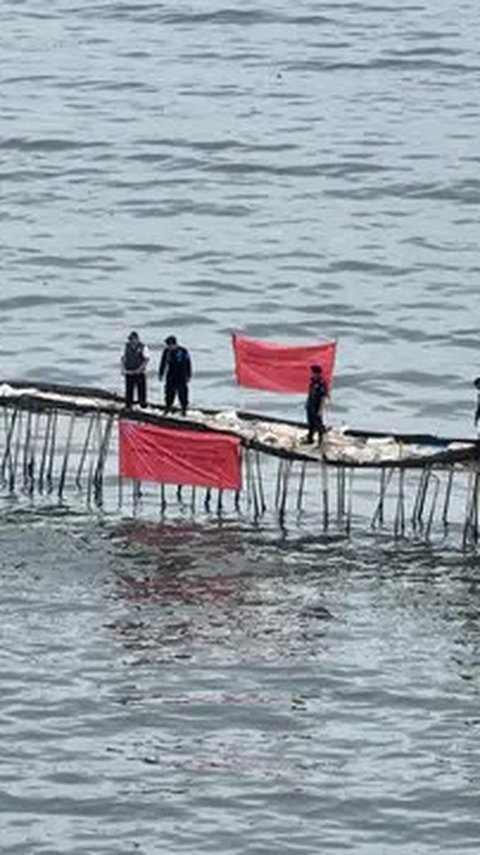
{"x": 134, "y": 366}
{"x": 317, "y": 392}
{"x": 176, "y": 367}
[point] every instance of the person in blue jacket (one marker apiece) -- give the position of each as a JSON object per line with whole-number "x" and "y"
{"x": 176, "y": 367}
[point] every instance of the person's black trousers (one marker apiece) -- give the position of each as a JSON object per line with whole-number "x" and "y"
{"x": 315, "y": 424}
{"x": 173, "y": 388}
{"x": 136, "y": 383}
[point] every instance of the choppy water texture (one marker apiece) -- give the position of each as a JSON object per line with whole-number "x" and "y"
{"x": 300, "y": 172}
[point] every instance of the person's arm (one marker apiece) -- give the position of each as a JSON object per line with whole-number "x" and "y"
{"x": 145, "y": 358}
{"x": 477, "y": 412}
{"x": 163, "y": 364}
{"x": 476, "y": 417}
{"x": 323, "y": 399}
{"x": 188, "y": 366}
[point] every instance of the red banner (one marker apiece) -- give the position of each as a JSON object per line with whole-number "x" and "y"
{"x": 280, "y": 368}
{"x": 170, "y": 456}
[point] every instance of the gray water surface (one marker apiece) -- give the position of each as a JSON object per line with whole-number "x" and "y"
{"x": 299, "y": 172}
{"x": 196, "y": 688}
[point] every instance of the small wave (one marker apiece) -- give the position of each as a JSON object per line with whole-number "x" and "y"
{"x": 101, "y": 262}
{"x": 215, "y": 145}
{"x": 32, "y": 301}
{"x": 159, "y": 13}
{"x": 382, "y": 63}
{"x": 147, "y": 248}
{"x": 48, "y": 145}
{"x": 370, "y": 267}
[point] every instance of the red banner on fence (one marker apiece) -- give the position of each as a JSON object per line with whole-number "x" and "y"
{"x": 280, "y": 368}
{"x": 170, "y": 456}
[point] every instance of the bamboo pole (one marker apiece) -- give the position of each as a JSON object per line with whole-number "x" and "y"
{"x": 423, "y": 495}
{"x": 120, "y": 491}
{"x": 33, "y": 456}
{"x": 136, "y": 495}
{"x": 83, "y": 455}
{"x": 436, "y": 490}
{"x": 51, "y": 457}
{"x": 284, "y": 488}
{"x": 102, "y": 456}
{"x": 448, "y": 492}
{"x": 301, "y": 486}
{"x": 261, "y": 491}
{"x": 379, "y": 512}
{"x": 399, "y": 521}
{"x": 475, "y": 507}
{"x": 43, "y": 458}
{"x": 252, "y": 497}
{"x": 278, "y": 482}
{"x": 236, "y": 501}
{"x": 7, "y": 455}
{"x": 26, "y": 448}
{"x": 340, "y": 492}
{"x": 383, "y": 487}
{"x": 324, "y": 476}
{"x": 468, "y": 510}
{"x": 16, "y": 454}
{"x": 470, "y": 528}
{"x": 247, "y": 465}
{"x": 351, "y": 472}
{"x": 66, "y": 455}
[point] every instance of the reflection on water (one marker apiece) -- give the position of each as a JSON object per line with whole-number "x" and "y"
{"x": 211, "y": 585}
{"x": 248, "y": 666}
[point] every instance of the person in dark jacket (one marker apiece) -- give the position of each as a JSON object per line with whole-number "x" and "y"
{"x": 176, "y": 367}
{"x": 134, "y": 366}
{"x": 317, "y": 392}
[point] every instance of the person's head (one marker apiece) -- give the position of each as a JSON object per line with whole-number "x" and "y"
{"x": 171, "y": 341}
{"x": 134, "y": 337}
{"x": 476, "y": 383}
{"x": 316, "y": 370}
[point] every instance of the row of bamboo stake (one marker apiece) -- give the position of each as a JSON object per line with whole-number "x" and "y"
{"x": 35, "y": 458}
{"x": 42, "y": 450}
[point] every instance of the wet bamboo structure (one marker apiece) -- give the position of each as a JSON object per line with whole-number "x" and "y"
{"x": 58, "y": 441}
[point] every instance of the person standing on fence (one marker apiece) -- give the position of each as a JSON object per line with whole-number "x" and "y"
{"x": 134, "y": 367}
{"x": 317, "y": 392}
{"x": 176, "y": 367}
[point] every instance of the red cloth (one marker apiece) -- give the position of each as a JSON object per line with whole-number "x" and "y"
{"x": 170, "y": 456}
{"x": 280, "y": 368}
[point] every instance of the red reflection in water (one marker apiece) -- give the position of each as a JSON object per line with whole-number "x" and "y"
{"x": 190, "y": 575}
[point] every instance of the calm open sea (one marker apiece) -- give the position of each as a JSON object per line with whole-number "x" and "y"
{"x": 300, "y": 172}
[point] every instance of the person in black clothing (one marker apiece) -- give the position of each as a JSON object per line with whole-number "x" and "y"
{"x": 317, "y": 392}
{"x": 134, "y": 366}
{"x": 176, "y": 367}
